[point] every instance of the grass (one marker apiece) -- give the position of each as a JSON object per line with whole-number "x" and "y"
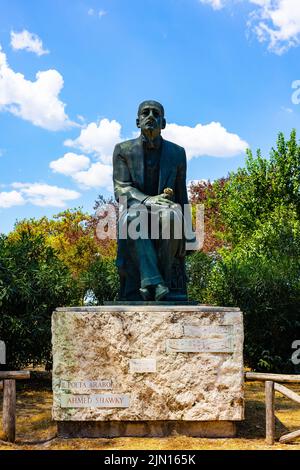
{"x": 36, "y": 430}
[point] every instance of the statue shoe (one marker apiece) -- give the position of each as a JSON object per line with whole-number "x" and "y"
{"x": 145, "y": 293}
{"x": 160, "y": 291}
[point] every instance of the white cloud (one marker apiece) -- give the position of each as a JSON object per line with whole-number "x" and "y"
{"x": 287, "y": 110}
{"x": 43, "y": 195}
{"x": 70, "y": 164}
{"x": 86, "y": 174}
{"x": 27, "y": 41}
{"x": 102, "y": 13}
{"x": 98, "y": 175}
{"x": 277, "y": 22}
{"x": 37, "y": 101}
{"x": 11, "y": 198}
{"x": 216, "y": 4}
{"x": 98, "y": 139}
{"x": 205, "y": 139}
{"x": 81, "y": 118}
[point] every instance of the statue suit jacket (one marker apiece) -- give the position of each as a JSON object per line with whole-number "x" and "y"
{"x": 128, "y": 171}
{"x": 128, "y": 177}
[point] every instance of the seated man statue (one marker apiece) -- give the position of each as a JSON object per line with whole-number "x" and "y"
{"x": 149, "y": 175}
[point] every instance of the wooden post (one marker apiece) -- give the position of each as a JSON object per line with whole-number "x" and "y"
{"x": 2, "y": 352}
{"x": 2, "y": 358}
{"x": 9, "y": 410}
{"x": 270, "y": 415}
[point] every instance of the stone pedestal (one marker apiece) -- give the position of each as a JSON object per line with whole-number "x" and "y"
{"x": 147, "y": 370}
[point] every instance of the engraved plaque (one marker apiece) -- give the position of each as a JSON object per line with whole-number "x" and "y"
{"x": 140, "y": 366}
{"x": 208, "y": 331}
{"x": 103, "y": 384}
{"x": 2, "y": 353}
{"x": 101, "y": 400}
{"x": 199, "y": 345}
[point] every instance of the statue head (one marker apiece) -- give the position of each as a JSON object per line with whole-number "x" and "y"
{"x": 151, "y": 118}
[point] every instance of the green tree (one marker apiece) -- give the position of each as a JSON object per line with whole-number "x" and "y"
{"x": 72, "y": 234}
{"x": 258, "y": 267}
{"x": 252, "y": 193}
{"x": 33, "y": 283}
{"x": 101, "y": 281}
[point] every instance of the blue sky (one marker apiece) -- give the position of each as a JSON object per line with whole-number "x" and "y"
{"x": 73, "y": 72}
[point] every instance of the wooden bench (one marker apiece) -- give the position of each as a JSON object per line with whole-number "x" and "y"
{"x": 272, "y": 384}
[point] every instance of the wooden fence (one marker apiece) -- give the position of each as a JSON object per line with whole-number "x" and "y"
{"x": 272, "y": 384}
{"x": 8, "y": 384}
{"x": 9, "y": 402}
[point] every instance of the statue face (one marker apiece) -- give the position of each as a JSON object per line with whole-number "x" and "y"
{"x": 150, "y": 119}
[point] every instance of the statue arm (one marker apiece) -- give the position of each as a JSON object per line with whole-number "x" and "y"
{"x": 123, "y": 184}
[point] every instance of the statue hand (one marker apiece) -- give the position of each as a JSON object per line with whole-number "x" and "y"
{"x": 159, "y": 200}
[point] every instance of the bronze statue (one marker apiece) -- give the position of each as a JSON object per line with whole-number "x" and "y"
{"x": 149, "y": 174}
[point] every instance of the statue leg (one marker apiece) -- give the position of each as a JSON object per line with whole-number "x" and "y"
{"x": 144, "y": 257}
{"x": 169, "y": 242}
{"x": 147, "y": 261}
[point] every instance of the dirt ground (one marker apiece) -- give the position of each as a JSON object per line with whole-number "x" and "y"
{"x": 36, "y": 430}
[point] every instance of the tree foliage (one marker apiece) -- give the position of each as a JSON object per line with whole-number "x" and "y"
{"x": 72, "y": 234}
{"x": 33, "y": 282}
{"x": 257, "y": 268}
{"x": 47, "y": 263}
{"x": 207, "y": 193}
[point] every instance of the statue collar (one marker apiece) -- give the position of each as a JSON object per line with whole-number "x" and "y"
{"x": 154, "y": 144}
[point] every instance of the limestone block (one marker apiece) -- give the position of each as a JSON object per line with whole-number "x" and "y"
{"x": 148, "y": 363}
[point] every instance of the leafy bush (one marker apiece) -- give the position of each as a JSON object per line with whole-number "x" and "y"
{"x": 101, "y": 281}
{"x": 33, "y": 282}
{"x": 262, "y": 278}
{"x": 199, "y": 266}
